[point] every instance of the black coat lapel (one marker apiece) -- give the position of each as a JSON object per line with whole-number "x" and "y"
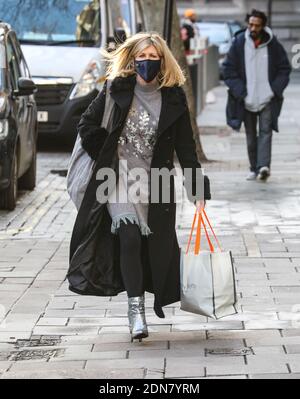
{"x": 173, "y": 106}
{"x": 122, "y": 90}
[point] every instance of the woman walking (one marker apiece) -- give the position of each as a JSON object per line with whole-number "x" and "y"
{"x": 127, "y": 245}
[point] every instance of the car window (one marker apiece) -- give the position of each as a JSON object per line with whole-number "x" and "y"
{"x": 140, "y": 23}
{"x": 2, "y": 65}
{"x": 13, "y": 65}
{"x": 216, "y": 33}
{"x": 54, "y": 21}
{"x": 20, "y": 57}
{"x": 119, "y": 17}
{"x": 235, "y": 27}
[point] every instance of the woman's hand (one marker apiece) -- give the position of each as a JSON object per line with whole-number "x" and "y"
{"x": 200, "y": 204}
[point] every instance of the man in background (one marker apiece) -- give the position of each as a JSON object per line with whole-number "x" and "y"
{"x": 256, "y": 70}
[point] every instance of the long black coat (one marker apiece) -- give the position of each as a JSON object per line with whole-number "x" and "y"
{"x": 94, "y": 251}
{"x": 234, "y": 72}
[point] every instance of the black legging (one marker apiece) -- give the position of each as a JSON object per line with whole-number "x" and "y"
{"x": 130, "y": 258}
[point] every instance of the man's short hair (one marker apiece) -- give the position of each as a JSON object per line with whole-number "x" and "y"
{"x": 257, "y": 14}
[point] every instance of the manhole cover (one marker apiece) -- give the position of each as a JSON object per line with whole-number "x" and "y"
{"x": 26, "y": 342}
{"x": 43, "y": 341}
{"x": 35, "y": 354}
{"x": 229, "y": 352}
{"x": 48, "y": 341}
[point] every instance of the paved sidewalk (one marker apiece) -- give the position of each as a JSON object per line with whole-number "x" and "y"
{"x": 50, "y": 332}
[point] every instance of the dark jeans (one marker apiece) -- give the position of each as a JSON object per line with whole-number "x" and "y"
{"x": 130, "y": 258}
{"x": 259, "y": 147}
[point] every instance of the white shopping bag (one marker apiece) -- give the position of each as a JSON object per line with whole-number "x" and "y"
{"x": 207, "y": 278}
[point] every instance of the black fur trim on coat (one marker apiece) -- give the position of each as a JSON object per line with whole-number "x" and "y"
{"x": 92, "y": 134}
{"x": 89, "y": 128}
{"x": 123, "y": 84}
{"x": 93, "y": 143}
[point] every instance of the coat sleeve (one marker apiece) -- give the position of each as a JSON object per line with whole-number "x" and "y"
{"x": 283, "y": 68}
{"x": 231, "y": 75}
{"x": 185, "y": 148}
{"x": 89, "y": 127}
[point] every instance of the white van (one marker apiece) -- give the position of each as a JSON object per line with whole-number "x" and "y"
{"x": 61, "y": 40}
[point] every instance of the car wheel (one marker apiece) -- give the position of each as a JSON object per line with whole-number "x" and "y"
{"x": 28, "y": 180}
{"x": 8, "y": 197}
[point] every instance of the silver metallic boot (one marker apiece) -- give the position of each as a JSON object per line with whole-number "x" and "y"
{"x": 136, "y": 317}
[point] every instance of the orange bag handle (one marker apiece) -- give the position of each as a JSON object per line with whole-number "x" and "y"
{"x": 191, "y": 232}
{"x": 198, "y": 232}
{"x": 217, "y": 241}
{"x": 211, "y": 247}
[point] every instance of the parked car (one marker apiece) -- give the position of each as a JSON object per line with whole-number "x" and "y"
{"x": 219, "y": 33}
{"x": 235, "y": 26}
{"x": 61, "y": 42}
{"x": 18, "y": 120}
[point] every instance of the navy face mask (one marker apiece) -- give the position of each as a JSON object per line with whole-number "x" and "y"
{"x": 148, "y": 69}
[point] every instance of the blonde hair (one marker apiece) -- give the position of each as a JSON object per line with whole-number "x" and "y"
{"x": 121, "y": 60}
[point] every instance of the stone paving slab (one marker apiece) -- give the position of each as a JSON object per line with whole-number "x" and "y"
{"x": 77, "y": 373}
{"x": 27, "y": 365}
{"x": 275, "y": 376}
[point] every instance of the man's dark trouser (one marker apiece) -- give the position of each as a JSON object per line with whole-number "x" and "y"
{"x": 259, "y": 147}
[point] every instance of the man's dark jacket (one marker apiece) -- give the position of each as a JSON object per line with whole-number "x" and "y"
{"x": 234, "y": 73}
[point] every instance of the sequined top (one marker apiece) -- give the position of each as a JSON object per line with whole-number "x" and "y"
{"x": 135, "y": 149}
